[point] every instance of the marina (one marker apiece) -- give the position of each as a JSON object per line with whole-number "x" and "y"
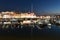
{"x": 29, "y": 25}
{"x": 15, "y": 20}
{"x": 29, "y": 19}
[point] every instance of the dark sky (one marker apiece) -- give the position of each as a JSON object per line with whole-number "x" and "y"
{"x": 17, "y": 5}
{"x": 51, "y": 6}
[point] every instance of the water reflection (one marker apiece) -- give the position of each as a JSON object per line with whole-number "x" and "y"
{"x": 32, "y": 31}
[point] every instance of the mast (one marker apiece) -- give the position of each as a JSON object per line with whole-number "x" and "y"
{"x": 31, "y": 8}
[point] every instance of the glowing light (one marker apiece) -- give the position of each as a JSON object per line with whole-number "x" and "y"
{"x": 26, "y": 22}
{"x": 6, "y": 16}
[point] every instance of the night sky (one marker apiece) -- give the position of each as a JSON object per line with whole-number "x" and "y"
{"x": 50, "y": 6}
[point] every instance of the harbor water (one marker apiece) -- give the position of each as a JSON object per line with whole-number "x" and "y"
{"x": 26, "y": 33}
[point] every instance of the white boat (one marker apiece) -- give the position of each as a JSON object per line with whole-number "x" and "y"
{"x": 6, "y": 22}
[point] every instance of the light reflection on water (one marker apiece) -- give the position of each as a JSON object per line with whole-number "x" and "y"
{"x": 34, "y": 33}
{"x": 55, "y": 30}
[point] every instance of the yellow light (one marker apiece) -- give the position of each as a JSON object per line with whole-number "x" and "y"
{"x": 24, "y": 22}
